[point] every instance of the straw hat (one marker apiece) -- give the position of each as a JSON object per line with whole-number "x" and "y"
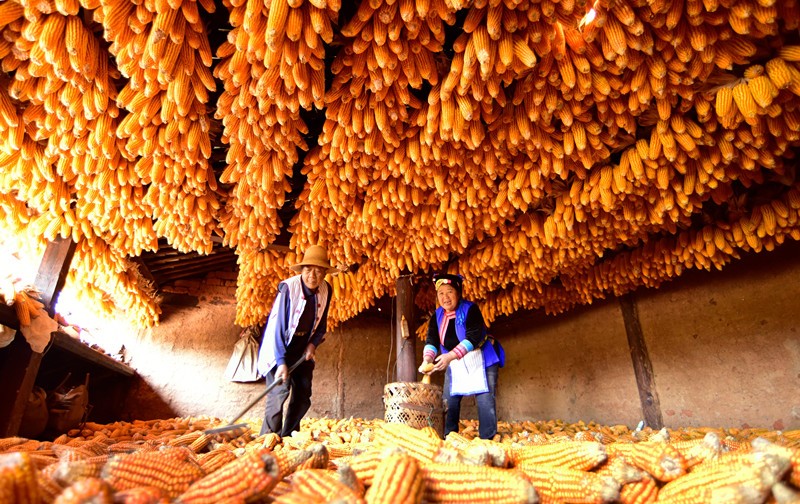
{"x": 315, "y": 255}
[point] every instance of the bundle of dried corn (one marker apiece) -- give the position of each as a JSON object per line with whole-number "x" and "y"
{"x": 14, "y": 212}
{"x": 259, "y": 275}
{"x": 273, "y": 65}
{"x": 614, "y": 188}
{"x": 263, "y": 137}
{"x": 392, "y": 48}
{"x": 164, "y": 51}
{"x": 357, "y": 291}
{"x": 531, "y": 142}
{"x": 109, "y": 281}
{"x": 77, "y": 156}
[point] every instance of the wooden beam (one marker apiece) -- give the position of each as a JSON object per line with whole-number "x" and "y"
{"x": 406, "y": 342}
{"x": 642, "y": 367}
{"x": 53, "y": 270}
{"x": 164, "y": 268}
{"x": 168, "y": 256}
{"x": 84, "y": 352}
{"x": 177, "y": 274}
{"x": 145, "y": 271}
{"x": 20, "y": 365}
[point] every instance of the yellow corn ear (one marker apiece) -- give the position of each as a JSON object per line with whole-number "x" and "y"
{"x": 763, "y": 90}
{"x": 754, "y": 473}
{"x": 524, "y": 53}
{"x": 743, "y": 98}
{"x": 318, "y": 458}
{"x": 365, "y": 464}
{"x": 172, "y": 471}
{"x": 455, "y": 483}
{"x": 397, "y": 479}
{"x": 724, "y": 101}
{"x": 416, "y": 442}
{"x": 644, "y": 491}
{"x": 580, "y": 455}
{"x": 559, "y": 484}
{"x": 250, "y": 476}
{"x": 68, "y": 471}
{"x": 215, "y": 459}
{"x": 790, "y": 53}
{"x": 290, "y": 460}
{"x": 662, "y": 460}
{"x": 779, "y": 73}
{"x": 18, "y": 482}
{"x": 327, "y": 484}
{"x": 276, "y": 23}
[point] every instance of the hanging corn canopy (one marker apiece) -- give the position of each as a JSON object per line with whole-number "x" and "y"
{"x": 553, "y": 153}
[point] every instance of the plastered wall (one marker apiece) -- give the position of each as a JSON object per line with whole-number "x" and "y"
{"x": 573, "y": 367}
{"x": 724, "y": 347}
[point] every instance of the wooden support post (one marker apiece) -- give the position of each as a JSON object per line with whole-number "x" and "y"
{"x": 53, "y": 270}
{"x": 406, "y": 344}
{"x": 20, "y": 364}
{"x": 642, "y": 367}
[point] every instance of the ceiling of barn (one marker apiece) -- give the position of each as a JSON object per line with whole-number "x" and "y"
{"x": 551, "y": 152}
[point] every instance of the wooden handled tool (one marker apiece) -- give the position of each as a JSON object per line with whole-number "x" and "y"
{"x": 233, "y": 425}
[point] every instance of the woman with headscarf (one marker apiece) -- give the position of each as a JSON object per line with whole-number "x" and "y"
{"x": 470, "y": 361}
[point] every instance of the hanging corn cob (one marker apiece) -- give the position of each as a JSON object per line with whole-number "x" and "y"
{"x": 165, "y": 54}
{"x": 551, "y": 137}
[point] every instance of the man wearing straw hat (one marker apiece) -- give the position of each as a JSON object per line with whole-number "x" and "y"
{"x": 295, "y": 328}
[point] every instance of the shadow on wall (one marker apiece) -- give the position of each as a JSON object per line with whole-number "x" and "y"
{"x": 147, "y": 403}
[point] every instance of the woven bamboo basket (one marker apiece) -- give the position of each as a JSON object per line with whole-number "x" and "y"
{"x": 415, "y": 404}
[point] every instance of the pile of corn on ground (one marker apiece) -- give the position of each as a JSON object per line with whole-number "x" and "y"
{"x": 358, "y": 460}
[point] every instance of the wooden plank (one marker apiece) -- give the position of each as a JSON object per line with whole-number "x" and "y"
{"x": 18, "y": 371}
{"x": 157, "y": 268}
{"x": 79, "y": 349}
{"x": 642, "y": 367}
{"x": 53, "y": 270}
{"x": 166, "y": 278}
{"x": 406, "y": 342}
{"x": 21, "y": 363}
{"x": 172, "y": 255}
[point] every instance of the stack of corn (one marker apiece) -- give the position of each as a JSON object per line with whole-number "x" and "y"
{"x": 356, "y": 460}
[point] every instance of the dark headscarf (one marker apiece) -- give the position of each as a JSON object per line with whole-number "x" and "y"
{"x": 455, "y": 281}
